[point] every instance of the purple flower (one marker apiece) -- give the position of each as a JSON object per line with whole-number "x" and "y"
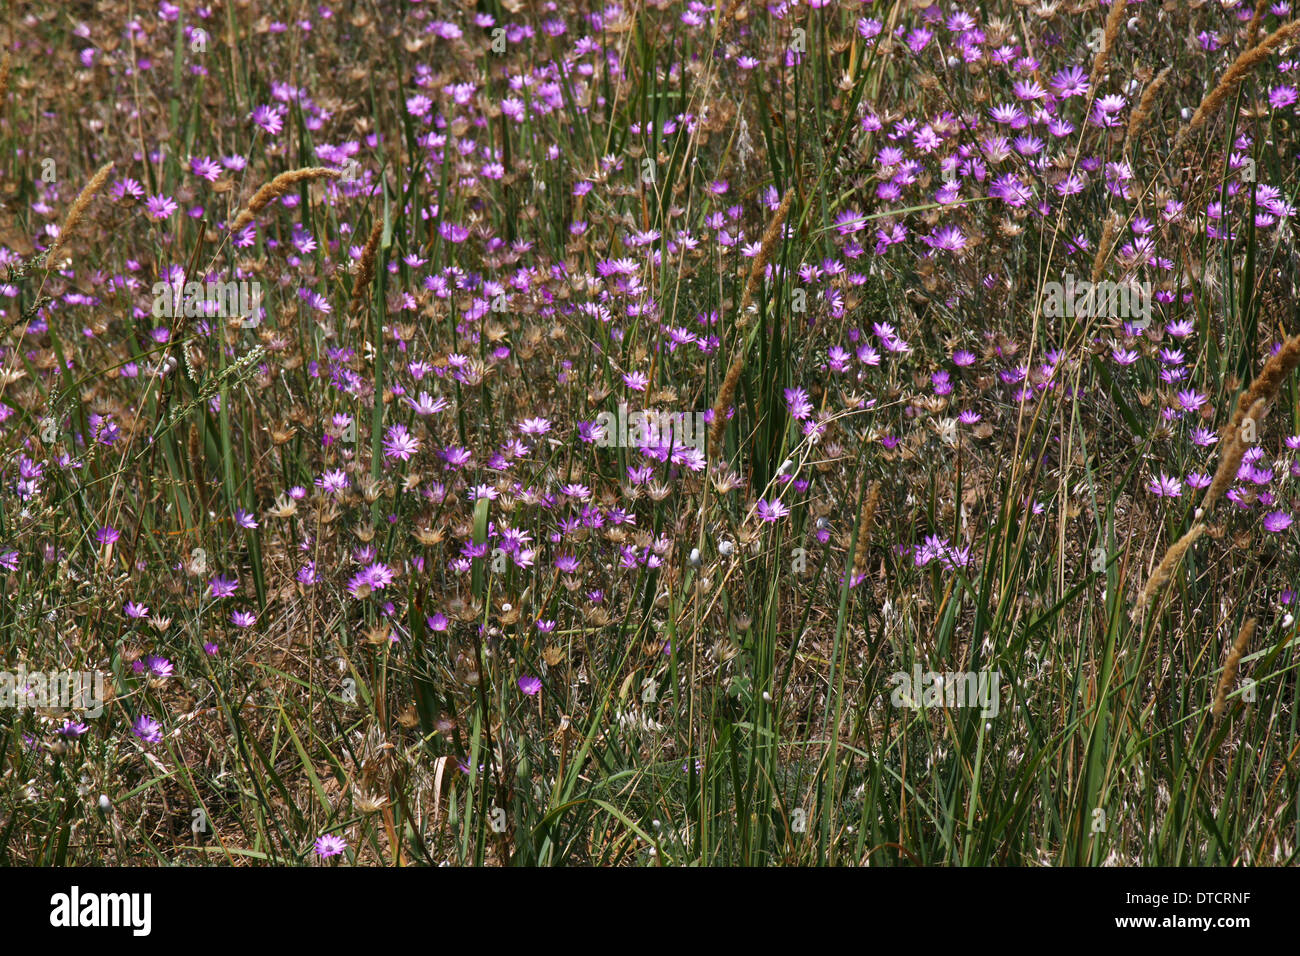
{"x": 1123, "y": 356}
{"x": 1276, "y": 521}
{"x": 1165, "y": 486}
{"x": 223, "y": 587}
{"x": 800, "y": 406}
{"x": 376, "y": 577}
{"x": 399, "y": 443}
{"x": 159, "y": 666}
{"x": 147, "y": 729}
{"x": 530, "y": 685}
{"x": 1070, "y": 82}
{"x": 206, "y": 168}
{"x": 946, "y": 239}
{"x": 160, "y": 207}
{"x": 329, "y": 845}
{"x": 1281, "y": 96}
{"x": 269, "y": 118}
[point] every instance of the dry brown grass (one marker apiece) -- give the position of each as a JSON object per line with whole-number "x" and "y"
{"x": 1230, "y": 668}
{"x": 278, "y": 187}
{"x": 1165, "y": 569}
{"x": 366, "y": 267}
{"x": 1233, "y": 77}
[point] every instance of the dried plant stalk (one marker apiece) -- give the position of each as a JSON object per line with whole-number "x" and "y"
{"x": 1165, "y": 569}
{"x": 1103, "y": 247}
{"x": 78, "y": 210}
{"x": 864, "y": 528}
{"x": 725, "y": 394}
{"x": 1269, "y": 381}
{"x": 1239, "y": 70}
{"x": 1252, "y": 32}
{"x": 728, "y": 390}
{"x": 1137, "y": 122}
{"x": 4, "y": 80}
{"x": 366, "y": 267}
{"x": 770, "y": 238}
{"x": 1230, "y": 668}
{"x": 1113, "y": 20}
{"x": 278, "y": 187}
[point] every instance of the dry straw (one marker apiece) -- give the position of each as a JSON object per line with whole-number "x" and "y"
{"x": 78, "y": 210}
{"x": 1103, "y": 247}
{"x": 1140, "y": 115}
{"x": 759, "y": 265}
{"x": 278, "y": 187}
{"x": 862, "y": 548}
{"x": 1252, "y": 32}
{"x": 4, "y": 80}
{"x": 725, "y": 395}
{"x": 1239, "y": 70}
{"x": 1252, "y": 404}
{"x": 756, "y": 269}
{"x": 1270, "y": 379}
{"x": 1113, "y": 21}
{"x": 366, "y": 267}
{"x": 1230, "y": 668}
{"x": 1165, "y": 569}
{"x": 1233, "y": 452}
